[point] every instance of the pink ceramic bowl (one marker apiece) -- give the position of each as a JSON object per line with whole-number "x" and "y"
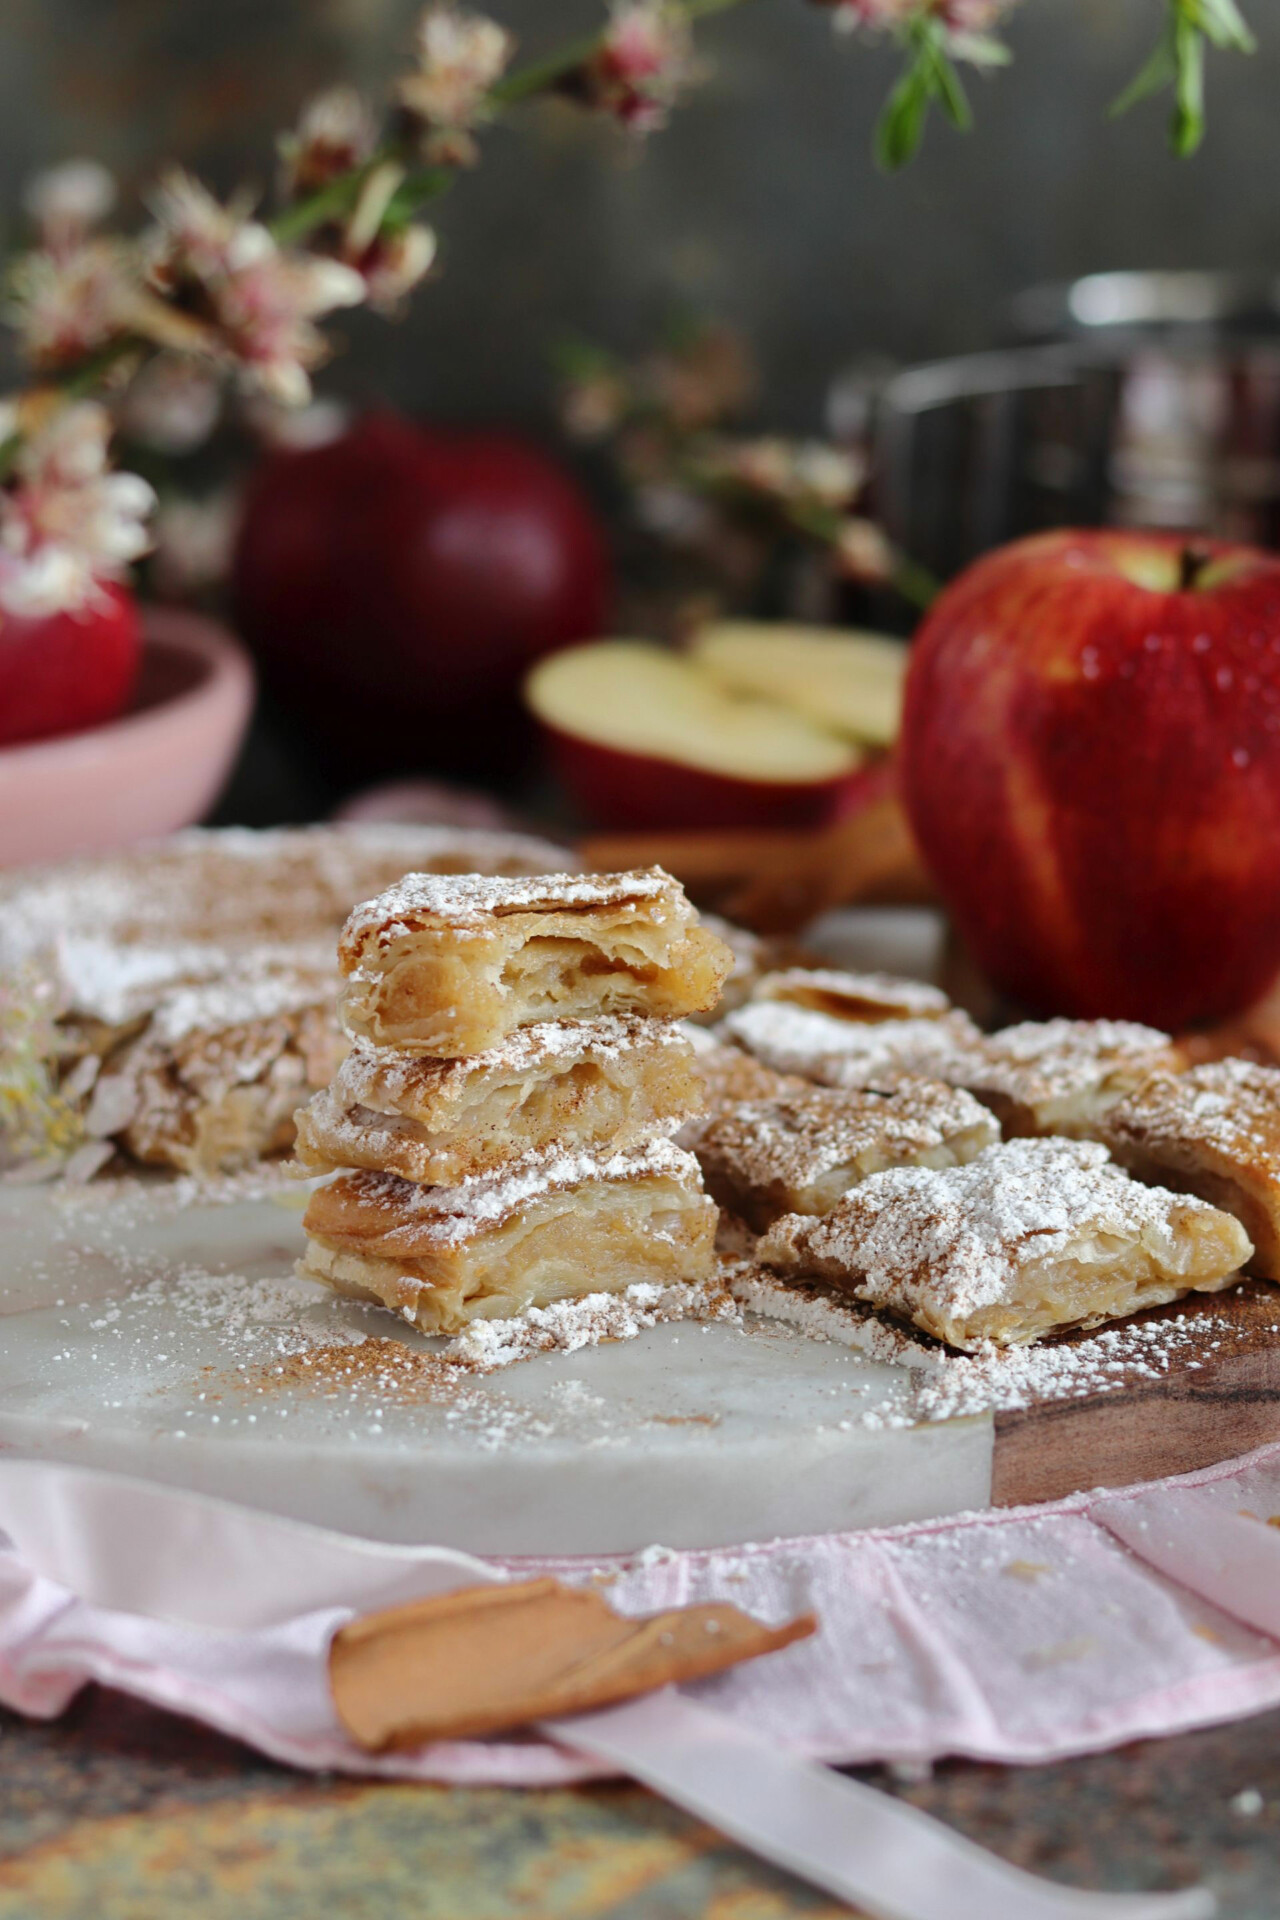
{"x": 159, "y": 767}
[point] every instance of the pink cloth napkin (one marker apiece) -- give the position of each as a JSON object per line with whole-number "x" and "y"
{"x": 1022, "y": 1635}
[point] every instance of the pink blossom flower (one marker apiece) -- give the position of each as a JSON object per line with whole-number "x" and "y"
{"x": 972, "y": 16}
{"x": 196, "y": 237}
{"x": 67, "y": 522}
{"x": 957, "y": 16}
{"x": 249, "y": 301}
{"x": 172, "y": 403}
{"x": 594, "y": 405}
{"x": 460, "y": 56}
{"x": 394, "y": 263}
{"x": 265, "y": 314}
{"x": 194, "y": 540}
{"x": 862, "y": 552}
{"x": 63, "y": 304}
{"x": 702, "y": 380}
{"x": 68, "y": 201}
{"x": 335, "y": 132}
{"x": 644, "y": 62}
{"x": 316, "y": 425}
{"x": 804, "y": 473}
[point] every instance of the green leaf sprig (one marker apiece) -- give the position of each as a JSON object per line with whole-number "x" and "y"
{"x": 1178, "y": 63}
{"x": 930, "y": 78}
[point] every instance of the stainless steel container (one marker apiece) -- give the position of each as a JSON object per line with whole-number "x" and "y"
{"x": 1160, "y": 406}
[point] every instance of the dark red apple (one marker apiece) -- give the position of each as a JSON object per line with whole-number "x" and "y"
{"x": 649, "y": 740}
{"x": 63, "y": 672}
{"x": 1091, "y": 765}
{"x": 396, "y": 582}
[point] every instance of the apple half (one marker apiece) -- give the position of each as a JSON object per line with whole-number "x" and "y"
{"x": 646, "y": 739}
{"x": 846, "y": 682}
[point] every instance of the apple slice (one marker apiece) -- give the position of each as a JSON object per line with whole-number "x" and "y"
{"x": 849, "y": 683}
{"x": 644, "y": 738}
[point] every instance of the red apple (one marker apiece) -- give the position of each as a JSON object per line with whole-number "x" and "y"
{"x": 646, "y": 739}
{"x": 396, "y": 583}
{"x": 62, "y": 672}
{"x": 1091, "y": 765}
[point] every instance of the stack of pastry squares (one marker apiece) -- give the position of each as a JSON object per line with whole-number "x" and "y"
{"x": 185, "y": 989}
{"x": 1121, "y": 1180}
{"x": 500, "y": 1135}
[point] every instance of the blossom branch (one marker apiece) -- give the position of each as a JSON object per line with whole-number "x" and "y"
{"x": 670, "y": 421}
{"x": 213, "y": 287}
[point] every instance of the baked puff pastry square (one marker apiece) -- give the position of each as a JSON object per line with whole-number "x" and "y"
{"x": 1215, "y": 1132}
{"x": 582, "y": 1085}
{"x": 490, "y": 1248}
{"x": 449, "y": 965}
{"x": 1032, "y": 1236}
{"x": 801, "y": 1152}
{"x": 838, "y": 1052}
{"x": 853, "y": 996}
{"x": 1064, "y": 1076}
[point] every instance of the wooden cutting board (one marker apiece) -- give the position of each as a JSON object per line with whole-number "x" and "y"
{"x": 1220, "y": 1397}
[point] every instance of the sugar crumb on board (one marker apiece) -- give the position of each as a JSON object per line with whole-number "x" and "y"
{"x": 940, "y": 1385}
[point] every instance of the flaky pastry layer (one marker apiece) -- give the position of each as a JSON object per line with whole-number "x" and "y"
{"x": 170, "y": 965}
{"x": 802, "y": 1152}
{"x": 572, "y": 1085}
{"x": 450, "y": 966}
{"x": 1031, "y": 1236}
{"x": 853, "y": 1053}
{"x": 214, "y": 1102}
{"x": 1064, "y": 1076}
{"x": 442, "y": 1257}
{"x": 853, "y": 996}
{"x": 1215, "y": 1132}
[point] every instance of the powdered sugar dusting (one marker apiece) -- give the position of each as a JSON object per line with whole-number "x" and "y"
{"x": 939, "y": 1385}
{"x": 468, "y": 900}
{"x": 220, "y": 1004}
{"x": 236, "y": 884}
{"x": 116, "y": 983}
{"x": 1051, "y": 1059}
{"x": 852, "y": 1053}
{"x": 951, "y": 1242}
{"x": 853, "y": 996}
{"x": 370, "y": 1075}
{"x": 566, "y": 1325}
{"x": 823, "y": 1312}
{"x": 1229, "y": 1109}
{"x": 798, "y": 1137}
{"x": 450, "y": 1215}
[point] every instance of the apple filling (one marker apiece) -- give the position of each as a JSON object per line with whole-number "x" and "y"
{"x": 450, "y": 969}
{"x": 1032, "y": 1236}
{"x": 593, "y": 1085}
{"x": 493, "y": 1248}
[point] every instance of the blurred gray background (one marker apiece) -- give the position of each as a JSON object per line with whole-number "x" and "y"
{"x": 760, "y": 203}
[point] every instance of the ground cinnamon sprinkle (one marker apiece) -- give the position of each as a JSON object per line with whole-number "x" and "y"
{"x": 388, "y": 1370}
